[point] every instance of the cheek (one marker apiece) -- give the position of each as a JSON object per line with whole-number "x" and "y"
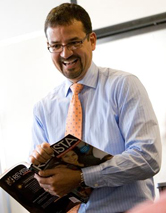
{"x": 87, "y": 58}
{"x": 88, "y": 53}
{"x": 54, "y": 59}
{"x": 56, "y": 62}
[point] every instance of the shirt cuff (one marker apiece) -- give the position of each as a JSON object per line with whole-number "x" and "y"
{"x": 92, "y": 176}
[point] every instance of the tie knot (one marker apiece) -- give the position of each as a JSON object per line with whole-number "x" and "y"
{"x": 76, "y": 88}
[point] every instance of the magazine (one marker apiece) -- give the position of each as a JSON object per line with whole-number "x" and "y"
{"x": 70, "y": 152}
{"x": 19, "y": 182}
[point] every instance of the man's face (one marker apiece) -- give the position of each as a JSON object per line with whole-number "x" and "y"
{"x": 73, "y": 64}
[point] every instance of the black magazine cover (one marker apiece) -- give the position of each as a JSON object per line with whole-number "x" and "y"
{"x": 20, "y": 183}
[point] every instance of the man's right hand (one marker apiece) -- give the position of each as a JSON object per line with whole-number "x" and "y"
{"x": 41, "y": 154}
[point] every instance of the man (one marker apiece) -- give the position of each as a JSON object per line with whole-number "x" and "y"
{"x": 117, "y": 118}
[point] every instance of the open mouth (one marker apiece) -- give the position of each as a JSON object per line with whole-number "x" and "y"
{"x": 66, "y": 63}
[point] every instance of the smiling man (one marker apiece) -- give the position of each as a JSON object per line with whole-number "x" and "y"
{"x": 74, "y": 58}
{"x": 118, "y": 118}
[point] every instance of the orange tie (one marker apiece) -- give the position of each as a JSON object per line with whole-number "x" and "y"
{"x": 74, "y": 122}
{"x": 74, "y": 117}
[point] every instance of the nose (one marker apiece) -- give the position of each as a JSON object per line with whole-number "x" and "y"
{"x": 66, "y": 53}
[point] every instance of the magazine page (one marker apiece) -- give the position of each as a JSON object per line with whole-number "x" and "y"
{"x": 20, "y": 183}
{"x": 74, "y": 153}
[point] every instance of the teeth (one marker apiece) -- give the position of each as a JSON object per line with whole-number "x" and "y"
{"x": 68, "y": 63}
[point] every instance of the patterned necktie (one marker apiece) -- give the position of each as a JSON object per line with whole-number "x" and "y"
{"x": 74, "y": 122}
{"x": 74, "y": 117}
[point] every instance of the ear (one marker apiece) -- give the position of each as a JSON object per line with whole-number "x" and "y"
{"x": 93, "y": 38}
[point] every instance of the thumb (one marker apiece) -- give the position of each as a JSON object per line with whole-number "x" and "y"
{"x": 47, "y": 173}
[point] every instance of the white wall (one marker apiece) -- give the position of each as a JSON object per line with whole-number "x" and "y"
{"x": 112, "y": 12}
{"x": 19, "y": 17}
{"x": 27, "y": 74}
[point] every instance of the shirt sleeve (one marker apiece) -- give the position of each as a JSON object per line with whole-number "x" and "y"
{"x": 141, "y": 158}
{"x": 39, "y": 132}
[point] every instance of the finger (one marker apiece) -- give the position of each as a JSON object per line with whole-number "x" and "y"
{"x": 53, "y": 193}
{"x": 46, "y": 147}
{"x": 33, "y": 160}
{"x": 44, "y": 153}
{"x": 37, "y": 158}
{"x": 47, "y": 173}
{"x": 44, "y": 181}
{"x": 48, "y": 185}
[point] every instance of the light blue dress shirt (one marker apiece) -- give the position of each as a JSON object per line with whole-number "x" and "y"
{"x": 117, "y": 118}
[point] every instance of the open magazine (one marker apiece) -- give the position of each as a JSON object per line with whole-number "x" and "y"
{"x": 69, "y": 152}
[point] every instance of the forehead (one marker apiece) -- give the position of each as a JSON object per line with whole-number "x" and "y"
{"x": 62, "y": 33}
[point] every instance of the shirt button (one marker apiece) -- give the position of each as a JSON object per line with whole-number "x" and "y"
{"x": 96, "y": 184}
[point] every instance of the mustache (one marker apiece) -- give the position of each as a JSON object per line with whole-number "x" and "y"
{"x": 73, "y": 57}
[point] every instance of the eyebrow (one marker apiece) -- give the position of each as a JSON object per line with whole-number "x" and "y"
{"x": 72, "y": 39}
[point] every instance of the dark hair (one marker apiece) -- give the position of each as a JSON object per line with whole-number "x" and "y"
{"x": 65, "y": 14}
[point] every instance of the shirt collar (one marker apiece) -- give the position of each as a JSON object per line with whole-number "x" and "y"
{"x": 90, "y": 79}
